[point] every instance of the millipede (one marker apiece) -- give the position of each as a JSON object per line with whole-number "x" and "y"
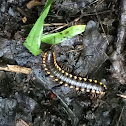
{"x": 63, "y": 77}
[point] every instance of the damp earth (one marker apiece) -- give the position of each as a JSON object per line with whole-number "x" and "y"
{"x": 99, "y": 53}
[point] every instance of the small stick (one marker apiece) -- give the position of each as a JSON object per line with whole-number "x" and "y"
{"x": 16, "y": 68}
{"x": 121, "y": 95}
{"x": 21, "y": 122}
{"x": 54, "y": 24}
{"x": 120, "y": 116}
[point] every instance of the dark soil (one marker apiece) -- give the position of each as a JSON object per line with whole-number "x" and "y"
{"x": 35, "y": 100}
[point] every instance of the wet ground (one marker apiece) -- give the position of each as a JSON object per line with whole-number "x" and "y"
{"x": 34, "y": 99}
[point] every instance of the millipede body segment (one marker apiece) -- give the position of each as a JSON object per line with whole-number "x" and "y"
{"x": 62, "y": 77}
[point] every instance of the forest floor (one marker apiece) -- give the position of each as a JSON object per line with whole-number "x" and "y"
{"x": 28, "y": 97}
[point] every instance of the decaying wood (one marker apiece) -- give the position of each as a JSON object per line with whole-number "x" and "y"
{"x": 21, "y": 122}
{"x": 17, "y": 69}
{"x": 118, "y": 60}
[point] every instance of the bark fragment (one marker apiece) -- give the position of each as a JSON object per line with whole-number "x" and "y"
{"x": 118, "y": 57}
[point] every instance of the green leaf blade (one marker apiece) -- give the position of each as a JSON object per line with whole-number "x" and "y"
{"x": 33, "y": 40}
{"x": 57, "y": 38}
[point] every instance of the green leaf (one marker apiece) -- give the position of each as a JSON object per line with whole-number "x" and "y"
{"x": 33, "y": 40}
{"x": 56, "y": 38}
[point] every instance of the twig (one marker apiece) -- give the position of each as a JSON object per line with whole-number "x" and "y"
{"x": 121, "y": 95}
{"x": 56, "y": 29}
{"x": 17, "y": 69}
{"x": 120, "y": 116}
{"x": 54, "y": 24}
{"x": 21, "y": 122}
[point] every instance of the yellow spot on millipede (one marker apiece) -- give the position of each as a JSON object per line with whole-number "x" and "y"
{"x": 59, "y": 69}
{"x": 105, "y": 87}
{"x": 48, "y": 72}
{"x": 77, "y": 88}
{"x": 55, "y": 62}
{"x": 93, "y": 91}
{"x": 95, "y": 81}
{"x": 51, "y": 76}
{"x": 56, "y": 79}
{"x": 44, "y": 65}
{"x": 63, "y": 71}
{"x": 101, "y": 83}
{"x": 44, "y": 61}
{"x": 66, "y": 85}
{"x": 85, "y": 79}
{"x": 80, "y": 78}
{"x": 98, "y": 92}
{"x": 61, "y": 82}
{"x": 46, "y": 69}
{"x": 71, "y": 86}
{"x": 44, "y": 58}
{"x": 54, "y": 55}
{"x": 75, "y": 77}
{"x": 82, "y": 89}
{"x": 45, "y": 55}
{"x": 57, "y": 66}
{"x": 90, "y": 80}
{"x": 102, "y": 93}
{"x": 88, "y": 90}
{"x": 70, "y": 75}
{"x": 66, "y": 74}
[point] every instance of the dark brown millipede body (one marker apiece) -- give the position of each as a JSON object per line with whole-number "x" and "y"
{"x": 62, "y": 77}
